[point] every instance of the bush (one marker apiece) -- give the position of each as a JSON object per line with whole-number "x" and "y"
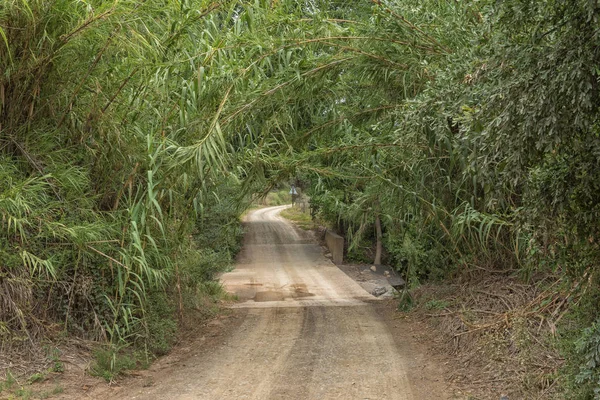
{"x": 417, "y": 258}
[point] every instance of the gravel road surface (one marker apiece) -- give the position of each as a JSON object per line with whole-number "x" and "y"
{"x": 307, "y": 331}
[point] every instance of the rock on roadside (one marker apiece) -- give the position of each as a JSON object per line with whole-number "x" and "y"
{"x": 378, "y": 291}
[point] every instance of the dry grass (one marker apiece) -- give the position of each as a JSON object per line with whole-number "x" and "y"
{"x": 500, "y": 333}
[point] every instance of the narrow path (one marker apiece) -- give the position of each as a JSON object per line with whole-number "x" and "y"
{"x": 308, "y": 331}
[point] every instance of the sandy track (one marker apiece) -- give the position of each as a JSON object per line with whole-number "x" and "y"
{"x": 278, "y": 267}
{"x": 308, "y": 331}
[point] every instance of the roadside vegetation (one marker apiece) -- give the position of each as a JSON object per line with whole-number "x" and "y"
{"x": 300, "y": 217}
{"x": 116, "y": 210}
{"x": 462, "y": 138}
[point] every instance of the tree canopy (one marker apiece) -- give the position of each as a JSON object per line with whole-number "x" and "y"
{"x": 134, "y": 133}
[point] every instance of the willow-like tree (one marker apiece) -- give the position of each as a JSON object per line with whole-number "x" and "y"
{"x": 469, "y": 129}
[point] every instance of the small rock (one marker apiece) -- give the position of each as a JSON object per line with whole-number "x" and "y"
{"x": 328, "y": 255}
{"x": 373, "y": 268}
{"x": 378, "y": 291}
{"x": 148, "y": 382}
{"x": 386, "y": 273}
{"x": 396, "y": 282}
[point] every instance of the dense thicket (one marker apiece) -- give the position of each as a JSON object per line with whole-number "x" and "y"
{"x": 110, "y": 183}
{"x": 467, "y": 129}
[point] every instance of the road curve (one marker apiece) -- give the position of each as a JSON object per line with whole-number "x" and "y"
{"x": 308, "y": 331}
{"x": 280, "y": 267}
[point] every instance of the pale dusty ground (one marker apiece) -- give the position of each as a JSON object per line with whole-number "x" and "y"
{"x": 302, "y": 330}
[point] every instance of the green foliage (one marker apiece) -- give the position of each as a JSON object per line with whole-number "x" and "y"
{"x": 113, "y": 168}
{"x": 57, "y": 390}
{"x": 469, "y": 129}
{"x": 37, "y": 377}
{"x": 360, "y": 253}
{"x": 53, "y": 355}
{"x": 161, "y": 323}
{"x": 214, "y": 290}
{"x": 58, "y": 366}
{"x": 575, "y": 338}
{"x": 405, "y": 301}
{"x": 418, "y": 259}
{"x": 49, "y": 393}
{"x": 588, "y": 347}
{"x": 8, "y": 383}
{"x": 111, "y": 362}
{"x": 436, "y": 304}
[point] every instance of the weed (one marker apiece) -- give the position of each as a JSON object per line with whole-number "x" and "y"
{"x": 212, "y": 289}
{"x": 58, "y": 366}
{"x": 110, "y": 363}
{"x": 405, "y": 301}
{"x": 53, "y": 354}
{"x": 37, "y": 377}
{"x": 436, "y": 304}
{"x": 8, "y": 383}
{"x": 143, "y": 359}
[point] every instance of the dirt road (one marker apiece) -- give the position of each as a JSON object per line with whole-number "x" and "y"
{"x": 306, "y": 331}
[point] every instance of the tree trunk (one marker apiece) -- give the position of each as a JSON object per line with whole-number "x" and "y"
{"x": 379, "y": 236}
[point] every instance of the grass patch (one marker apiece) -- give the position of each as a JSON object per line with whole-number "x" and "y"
{"x": 437, "y": 304}
{"x": 8, "y": 382}
{"x": 12, "y": 389}
{"x": 110, "y": 363}
{"x": 37, "y": 377}
{"x": 302, "y": 219}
